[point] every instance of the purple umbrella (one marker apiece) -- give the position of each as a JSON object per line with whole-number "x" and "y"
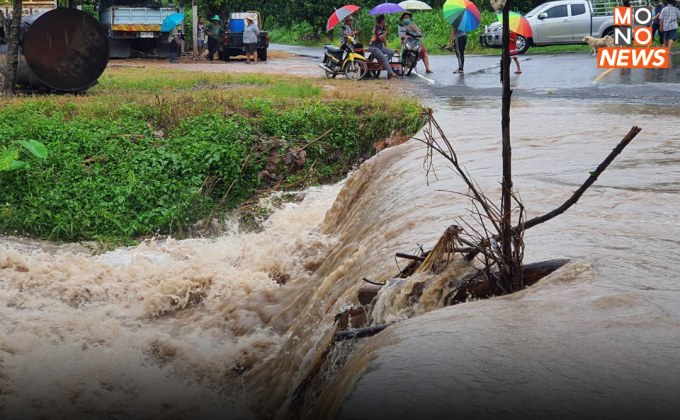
{"x": 386, "y": 8}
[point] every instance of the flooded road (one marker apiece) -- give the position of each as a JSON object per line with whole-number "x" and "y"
{"x": 544, "y": 76}
{"x": 200, "y": 328}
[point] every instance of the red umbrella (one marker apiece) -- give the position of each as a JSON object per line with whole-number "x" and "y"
{"x": 340, "y": 15}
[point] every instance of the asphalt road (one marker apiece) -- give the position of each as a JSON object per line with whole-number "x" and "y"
{"x": 570, "y": 76}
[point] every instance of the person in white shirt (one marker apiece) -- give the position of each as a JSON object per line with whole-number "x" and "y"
{"x": 250, "y": 34}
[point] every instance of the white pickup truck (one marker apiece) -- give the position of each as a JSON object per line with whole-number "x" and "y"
{"x": 562, "y": 22}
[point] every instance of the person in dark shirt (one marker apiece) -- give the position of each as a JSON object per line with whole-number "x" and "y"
{"x": 215, "y": 33}
{"x": 378, "y": 45}
{"x": 655, "y": 21}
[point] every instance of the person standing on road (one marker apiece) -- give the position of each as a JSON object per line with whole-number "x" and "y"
{"x": 459, "y": 39}
{"x": 175, "y": 39}
{"x": 668, "y": 23}
{"x": 250, "y": 34}
{"x": 378, "y": 45}
{"x": 655, "y": 21}
{"x": 513, "y": 51}
{"x": 215, "y": 33}
{"x": 347, "y": 30}
{"x": 200, "y": 34}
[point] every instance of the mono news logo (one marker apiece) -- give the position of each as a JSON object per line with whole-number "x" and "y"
{"x": 633, "y": 38}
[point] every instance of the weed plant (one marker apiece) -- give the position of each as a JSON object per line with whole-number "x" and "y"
{"x": 146, "y": 153}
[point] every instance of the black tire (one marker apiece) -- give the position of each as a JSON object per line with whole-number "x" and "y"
{"x": 356, "y": 70}
{"x": 262, "y": 54}
{"x": 407, "y": 66}
{"x": 608, "y": 32}
{"x": 523, "y": 44}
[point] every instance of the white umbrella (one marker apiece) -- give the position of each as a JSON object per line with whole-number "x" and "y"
{"x": 415, "y": 5}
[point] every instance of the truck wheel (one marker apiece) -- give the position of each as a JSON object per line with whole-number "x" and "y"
{"x": 483, "y": 41}
{"x": 523, "y": 44}
{"x": 262, "y": 54}
{"x": 608, "y": 32}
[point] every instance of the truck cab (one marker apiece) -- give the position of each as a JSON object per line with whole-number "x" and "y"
{"x": 560, "y": 22}
{"x": 563, "y": 22}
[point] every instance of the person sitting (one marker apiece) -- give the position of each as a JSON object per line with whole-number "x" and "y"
{"x": 378, "y": 43}
{"x": 347, "y": 30}
{"x": 407, "y": 27}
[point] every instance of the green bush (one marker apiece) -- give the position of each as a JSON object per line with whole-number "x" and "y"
{"x": 122, "y": 166}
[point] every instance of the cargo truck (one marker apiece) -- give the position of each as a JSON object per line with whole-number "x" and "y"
{"x": 29, "y": 7}
{"x": 134, "y": 27}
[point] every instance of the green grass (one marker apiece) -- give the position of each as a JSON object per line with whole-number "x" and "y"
{"x": 149, "y": 153}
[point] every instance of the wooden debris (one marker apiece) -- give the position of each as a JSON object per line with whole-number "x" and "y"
{"x": 367, "y": 293}
{"x": 479, "y": 287}
{"x": 360, "y": 332}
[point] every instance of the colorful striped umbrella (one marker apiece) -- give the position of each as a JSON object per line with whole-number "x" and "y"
{"x": 462, "y": 14}
{"x": 340, "y": 15}
{"x": 385, "y": 8}
{"x": 518, "y": 24}
{"x": 415, "y": 5}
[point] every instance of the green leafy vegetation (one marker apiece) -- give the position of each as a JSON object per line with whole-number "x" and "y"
{"x": 9, "y": 156}
{"x": 149, "y": 153}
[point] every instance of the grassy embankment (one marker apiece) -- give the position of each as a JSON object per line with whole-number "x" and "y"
{"x": 437, "y": 32}
{"x": 154, "y": 152}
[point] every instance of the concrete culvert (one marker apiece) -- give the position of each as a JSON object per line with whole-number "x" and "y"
{"x": 62, "y": 50}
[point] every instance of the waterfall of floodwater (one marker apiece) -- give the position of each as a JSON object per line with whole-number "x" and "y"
{"x": 202, "y": 327}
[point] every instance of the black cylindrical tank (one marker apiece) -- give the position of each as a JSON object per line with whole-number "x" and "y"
{"x": 62, "y": 50}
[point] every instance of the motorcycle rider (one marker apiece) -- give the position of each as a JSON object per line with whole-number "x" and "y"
{"x": 378, "y": 43}
{"x": 407, "y": 27}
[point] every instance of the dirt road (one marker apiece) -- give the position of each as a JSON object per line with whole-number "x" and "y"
{"x": 279, "y": 62}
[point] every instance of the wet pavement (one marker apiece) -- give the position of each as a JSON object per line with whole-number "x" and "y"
{"x": 566, "y": 76}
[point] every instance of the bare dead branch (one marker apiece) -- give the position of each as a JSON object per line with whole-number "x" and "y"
{"x": 590, "y": 181}
{"x": 577, "y": 194}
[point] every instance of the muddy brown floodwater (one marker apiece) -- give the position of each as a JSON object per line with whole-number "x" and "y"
{"x": 199, "y": 328}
